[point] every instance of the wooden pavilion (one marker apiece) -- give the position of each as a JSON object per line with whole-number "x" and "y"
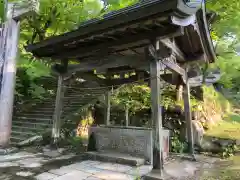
{"x": 147, "y": 38}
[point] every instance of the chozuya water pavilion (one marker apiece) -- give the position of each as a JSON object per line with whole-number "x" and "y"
{"x": 147, "y": 37}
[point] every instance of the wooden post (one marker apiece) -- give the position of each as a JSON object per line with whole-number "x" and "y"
{"x": 8, "y": 81}
{"x": 188, "y": 117}
{"x": 156, "y": 114}
{"x": 9, "y": 52}
{"x": 126, "y": 116}
{"x": 107, "y": 108}
{"x": 179, "y": 93}
{"x": 58, "y": 111}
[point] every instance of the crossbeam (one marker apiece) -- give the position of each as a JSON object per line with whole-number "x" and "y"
{"x": 174, "y": 67}
{"x": 113, "y": 61}
{"x": 108, "y": 47}
{"x": 179, "y": 54}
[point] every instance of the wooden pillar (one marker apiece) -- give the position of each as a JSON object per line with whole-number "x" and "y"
{"x": 126, "y": 116}
{"x": 188, "y": 117}
{"x": 107, "y": 108}
{"x": 9, "y": 55}
{"x": 156, "y": 114}
{"x": 7, "y": 86}
{"x": 58, "y": 110}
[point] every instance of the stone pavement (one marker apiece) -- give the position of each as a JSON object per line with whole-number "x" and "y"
{"x": 95, "y": 170}
{"x": 55, "y": 166}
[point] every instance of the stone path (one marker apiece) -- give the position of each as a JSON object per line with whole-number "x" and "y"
{"x": 55, "y": 166}
{"x": 95, "y": 170}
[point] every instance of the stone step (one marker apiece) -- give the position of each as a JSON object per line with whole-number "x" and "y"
{"x": 85, "y": 91}
{"x": 114, "y": 157}
{"x": 34, "y": 113}
{"x": 34, "y": 125}
{"x": 72, "y": 96}
{"x": 33, "y": 119}
{"x": 37, "y": 115}
{"x": 26, "y": 129}
{"x": 15, "y": 140}
{"x": 22, "y": 134}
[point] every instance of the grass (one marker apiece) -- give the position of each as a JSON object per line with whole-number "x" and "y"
{"x": 228, "y": 169}
{"x": 228, "y": 128}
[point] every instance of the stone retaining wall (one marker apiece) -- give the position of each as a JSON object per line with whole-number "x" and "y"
{"x": 132, "y": 141}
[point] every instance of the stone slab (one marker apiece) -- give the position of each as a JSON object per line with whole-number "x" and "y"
{"x": 45, "y": 176}
{"x": 17, "y": 156}
{"x": 61, "y": 171}
{"x": 115, "y": 157}
{"x": 74, "y": 175}
{"x": 111, "y": 175}
{"x": 140, "y": 171}
{"x": 93, "y": 178}
{"x": 132, "y": 141}
{"x": 24, "y": 173}
{"x": 154, "y": 175}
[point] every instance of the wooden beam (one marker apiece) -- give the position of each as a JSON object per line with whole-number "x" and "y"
{"x": 90, "y": 76}
{"x": 58, "y": 111}
{"x": 188, "y": 117}
{"x": 117, "y": 82}
{"x": 126, "y": 116}
{"x": 174, "y": 67}
{"x": 156, "y": 114}
{"x": 161, "y": 33}
{"x": 112, "y": 61}
{"x": 107, "y": 108}
{"x": 179, "y": 54}
{"x": 7, "y": 81}
{"x": 9, "y": 53}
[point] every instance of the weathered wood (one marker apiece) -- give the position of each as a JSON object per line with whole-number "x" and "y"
{"x": 188, "y": 117}
{"x": 58, "y": 111}
{"x": 109, "y": 47}
{"x": 9, "y": 54}
{"x": 179, "y": 92}
{"x": 8, "y": 81}
{"x": 126, "y": 116}
{"x": 156, "y": 113}
{"x": 112, "y": 61}
{"x": 107, "y": 108}
{"x": 179, "y": 54}
{"x": 174, "y": 67}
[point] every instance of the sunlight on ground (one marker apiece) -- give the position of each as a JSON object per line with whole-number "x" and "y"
{"x": 229, "y": 128}
{"x": 226, "y": 170}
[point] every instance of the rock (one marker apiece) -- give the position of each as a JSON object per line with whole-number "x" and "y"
{"x": 8, "y": 150}
{"x": 24, "y": 173}
{"x": 198, "y": 132}
{"x": 238, "y": 142}
{"x": 224, "y": 142}
{"x": 30, "y": 141}
{"x": 209, "y": 146}
{"x": 3, "y": 151}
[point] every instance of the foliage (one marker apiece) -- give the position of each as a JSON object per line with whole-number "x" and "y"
{"x": 135, "y": 97}
{"x": 177, "y": 146}
{"x": 229, "y": 151}
{"x": 229, "y": 17}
